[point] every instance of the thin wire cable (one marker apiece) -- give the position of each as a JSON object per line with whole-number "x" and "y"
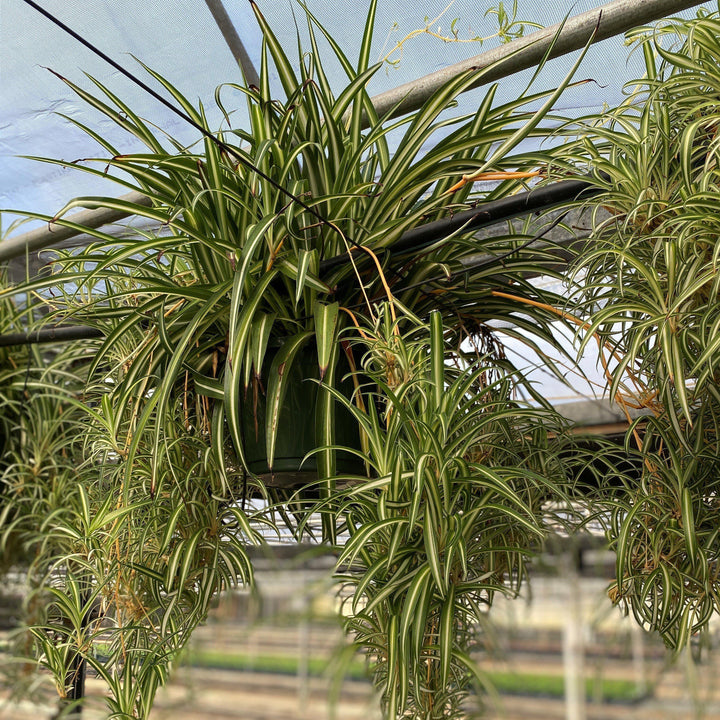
{"x": 222, "y": 145}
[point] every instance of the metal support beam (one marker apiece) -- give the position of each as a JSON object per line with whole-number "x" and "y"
{"x": 600, "y": 23}
{"x": 611, "y": 19}
{"x": 493, "y": 212}
{"x": 484, "y": 215}
{"x": 233, "y": 41}
{"x": 65, "y": 228}
{"x": 54, "y": 334}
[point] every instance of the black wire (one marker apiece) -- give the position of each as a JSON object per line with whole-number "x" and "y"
{"x": 222, "y": 145}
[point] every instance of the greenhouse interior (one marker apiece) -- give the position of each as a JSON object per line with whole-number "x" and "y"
{"x": 363, "y": 366}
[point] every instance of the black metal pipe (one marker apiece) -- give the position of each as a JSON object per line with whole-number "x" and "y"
{"x": 493, "y": 212}
{"x": 485, "y": 214}
{"x": 58, "y": 333}
{"x": 76, "y": 696}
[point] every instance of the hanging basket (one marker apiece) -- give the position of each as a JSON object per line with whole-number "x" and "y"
{"x": 297, "y": 426}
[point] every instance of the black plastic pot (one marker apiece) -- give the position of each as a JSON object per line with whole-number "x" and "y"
{"x": 297, "y": 432}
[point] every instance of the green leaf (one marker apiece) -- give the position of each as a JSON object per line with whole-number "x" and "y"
{"x": 307, "y": 263}
{"x": 277, "y": 388}
{"x": 447, "y": 634}
{"x": 687, "y": 514}
{"x": 239, "y": 332}
{"x": 260, "y": 335}
{"x": 326, "y": 317}
{"x": 437, "y": 356}
{"x": 363, "y": 536}
{"x": 432, "y": 551}
{"x": 414, "y": 612}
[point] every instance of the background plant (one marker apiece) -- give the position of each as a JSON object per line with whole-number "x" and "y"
{"x": 118, "y": 576}
{"x": 650, "y": 289}
{"x": 39, "y": 491}
{"x": 509, "y": 28}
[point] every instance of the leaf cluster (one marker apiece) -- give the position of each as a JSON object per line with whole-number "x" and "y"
{"x": 462, "y": 479}
{"x": 650, "y": 293}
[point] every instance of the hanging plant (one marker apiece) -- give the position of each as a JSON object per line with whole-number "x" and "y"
{"x": 649, "y": 290}
{"x": 269, "y": 232}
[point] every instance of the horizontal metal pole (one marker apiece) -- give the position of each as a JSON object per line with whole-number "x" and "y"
{"x": 483, "y": 215}
{"x": 62, "y": 229}
{"x": 495, "y": 211}
{"x": 600, "y": 23}
{"x": 607, "y": 21}
{"x": 58, "y": 333}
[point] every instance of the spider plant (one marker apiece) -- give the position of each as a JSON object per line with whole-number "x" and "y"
{"x": 463, "y": 476}
{"x": 38, "y": 487}
{"x": 116, "y": 579}
{"x": 254, "y": 266}
{"x": 650, "y": 292}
